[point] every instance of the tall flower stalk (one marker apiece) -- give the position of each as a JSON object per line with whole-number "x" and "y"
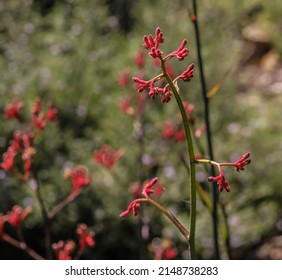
{"x": 166, "y": 93}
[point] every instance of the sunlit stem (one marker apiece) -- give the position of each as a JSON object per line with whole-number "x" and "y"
{"x": 190, "y": 149}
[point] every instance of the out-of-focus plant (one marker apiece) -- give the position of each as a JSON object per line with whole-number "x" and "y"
{"x": 19, "y": 160}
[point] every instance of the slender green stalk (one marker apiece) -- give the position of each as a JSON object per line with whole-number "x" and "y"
{"x": 173, "y": 219}
{"x": 208, "y": 132}
{"x": 192, "y": 168}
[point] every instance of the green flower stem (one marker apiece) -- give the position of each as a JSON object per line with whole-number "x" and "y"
{"x": 181, "y": 228}
{"x": 192, "y": 168}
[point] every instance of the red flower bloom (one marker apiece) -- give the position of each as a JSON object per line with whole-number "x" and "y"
{"x": 124, "y": 77}
{"x": 8, "y": 158}
{"x": 147, "y": 190}
{"x": 37, "y": 107}
{"x": 85, "y": 237}
{"x": 13, "y": 110}
{"x": 221, "y": 181}
{"x": 188, "y": 74}
{"x": 240, "y": 163}
{"x": 152, "y": 44}
{"x": 164, "y": 251}
{"x": 141, "y": 84}
{"x": 79, "y": 178}
{"x": 39, "y": 121}
{"x": 181, "y": 52}
{"x": 107, "y": 157}
{"x": 133, "y": 207}
{"x": 63, "y": 249}
{"x": 52, "y": 112}
{"x": 180, "y": 135}
{"x": 139, "y": 60}
{"x": 125, "y": 106}
{"x": 166, "y": 95}
{"x": 17, "y": 216}
{"x": 168, "y": 131}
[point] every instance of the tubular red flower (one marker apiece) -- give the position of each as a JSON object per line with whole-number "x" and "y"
{"x": 180, "y": 135}
{"x": 152, "y": 44}
{"x": 86, "y": 239}
{"x": 147, "y": 189}
{"x": 37, "y": 107}
{"x": 107, "y": 156}
{"x": 141, "y": 84}
{"x": 63, "y": 249}
{"x": 17, "y": 216}
{"x": 164, "y": 251}
{"x": 166, "y": 95}
{"x": 124, "y": 77}
{"x": 52, "y": 112}
{"x": 133, "y": 207}
{"x": 242, "y": 162}
{"x": 13, "y": 110}
{"x": 188, "y": 74}
{"x": 8, "y": 158}
{"x": 155, "y": 52}
{"x": 181, "y": 52}
{"x": 168, "y": 130}
{"x": 221, "y": 181}
{"x": 79, "y": 178}
{"x": 139, "y": 59}
{"x": 149, "y": 41}
{"x": 159, "y": 36}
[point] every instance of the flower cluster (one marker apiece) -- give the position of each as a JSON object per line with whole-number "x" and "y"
{"x": 22, "y": 144}
{"x": 163, "y": 250}
{"x": 134, "y": 206}
{"x": 152, "y": 43}
{"x": 78, "y": 177}
{"x": 15, "y": 217}
{"x": 107, "y": 156}
{"x": 176, "y": 131}
{"x": 238, "y": 165}
{"x": 12, "y": 110}
{"x": 64, "y": 249}
{"x": 39, "y": 118}
{"x": 86, "y": 239}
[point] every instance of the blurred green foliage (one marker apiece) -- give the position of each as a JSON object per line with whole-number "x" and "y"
{"x": 73, "y": 52}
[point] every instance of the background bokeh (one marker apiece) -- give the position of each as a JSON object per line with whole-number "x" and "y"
{"x": 73, "y": 52}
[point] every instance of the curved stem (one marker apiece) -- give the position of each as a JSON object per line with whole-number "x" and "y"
{"x": 208, "y": 130}
{"x": 181, "y": 228}
{"x": 21, "y": 245}
{"x": 192, "y": 169}
{"x": 63, "y": 204}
